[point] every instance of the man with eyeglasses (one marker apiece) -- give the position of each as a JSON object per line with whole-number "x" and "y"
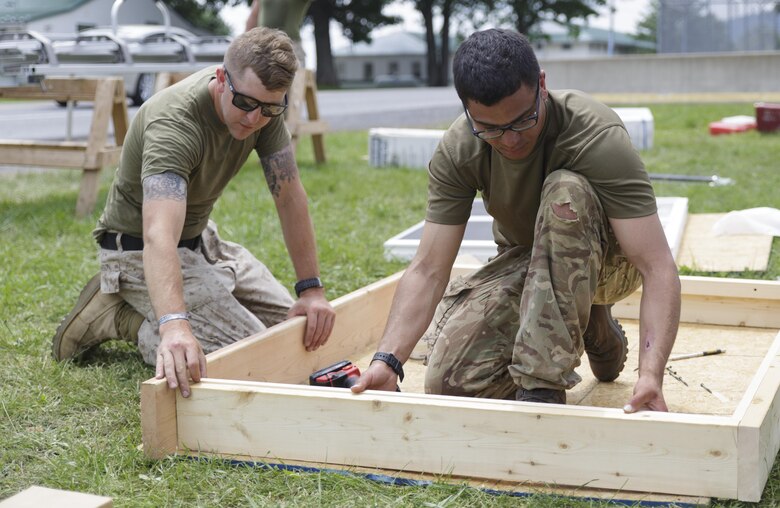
{"x": 167, "y": 281}
{"x": 577, "y": 230}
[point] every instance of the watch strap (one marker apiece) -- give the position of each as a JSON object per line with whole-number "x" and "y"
{"x": 392, "y": 361}
{"x": 303, "y": 285}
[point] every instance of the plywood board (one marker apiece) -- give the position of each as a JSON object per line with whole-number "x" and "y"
{"x": 703, "y": 251}
{"x": 36, "y": 497}
{"x": 726, "y": 451}
{"x": 727, "y": 375}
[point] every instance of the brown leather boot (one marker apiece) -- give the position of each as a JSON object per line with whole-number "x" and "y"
{"x": 96, "y": 318}
{"x": 605, "y": 343}
{"x": 543, "y": 395}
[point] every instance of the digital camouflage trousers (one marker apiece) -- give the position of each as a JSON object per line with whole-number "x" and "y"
{"x": 228, "y": 292}
{"x": 519, "y": 320}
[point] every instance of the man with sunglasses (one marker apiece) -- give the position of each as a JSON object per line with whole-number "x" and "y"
{"x": 167, "y": 281}
{"x": 577, "y": 230}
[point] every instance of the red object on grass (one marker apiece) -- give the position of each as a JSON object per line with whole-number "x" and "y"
{"x": 767, "y": 116}
{"x": 728, "y": 128}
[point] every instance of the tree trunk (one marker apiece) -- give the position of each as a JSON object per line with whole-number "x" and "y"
{"x": 326, "y": 71}
{"x": 443, "y": 73}
{"x": 426, "y": 8}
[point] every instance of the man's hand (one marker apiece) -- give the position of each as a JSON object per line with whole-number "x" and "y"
{"x": 647, "y": 395}
{"x": 378, "y": 376}
{"x": 320, "y": 317}
{"x": 179, "y": 356}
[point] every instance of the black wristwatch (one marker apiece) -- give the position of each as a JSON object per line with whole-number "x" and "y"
{"x": 303, "y": 285}
{"x": 392, "y": 361}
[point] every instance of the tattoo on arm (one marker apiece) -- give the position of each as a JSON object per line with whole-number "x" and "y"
{"x": 165, "y": 186}
{"x": 279, "y": 167}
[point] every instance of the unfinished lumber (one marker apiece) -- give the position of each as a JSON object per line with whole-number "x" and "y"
{"x": 35, "y": 497}
{"x": 247, "y": 407}
{"x": 92, "y": 156}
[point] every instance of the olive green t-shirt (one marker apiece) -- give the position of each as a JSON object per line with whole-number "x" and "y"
{"x": 286, "y": 15}
{"x": 177, "y": 130}
{"x": 579, "y": 134}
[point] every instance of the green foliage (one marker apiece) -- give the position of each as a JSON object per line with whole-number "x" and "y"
{"x": 203, "y": 14}
{"x": 526, "y": 14}
{"x": 76, "y": 426}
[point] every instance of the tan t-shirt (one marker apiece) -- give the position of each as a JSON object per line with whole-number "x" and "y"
{"x": 579, "y": 134}
{"x": 178, "y": 131}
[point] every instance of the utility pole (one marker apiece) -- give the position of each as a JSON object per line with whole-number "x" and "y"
{"x": 611, "y": 38}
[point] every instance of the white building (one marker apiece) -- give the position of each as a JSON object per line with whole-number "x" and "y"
{"x": 398, "y": 58}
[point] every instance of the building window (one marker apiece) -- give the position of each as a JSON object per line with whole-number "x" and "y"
{"x": 417, "y": 70}
{"x": 84, "y": 26}
{"x": 392, "y": 68}
{"x": 368, "y": 71}
{"x": 566, "y": 45}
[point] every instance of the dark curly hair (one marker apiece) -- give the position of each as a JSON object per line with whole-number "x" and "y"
{"x": 493, "y": 64}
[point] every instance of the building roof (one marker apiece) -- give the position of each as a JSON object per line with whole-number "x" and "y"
{"x": 393, "y": 43}
{"x": 24, "y": 11}
{"x": 560, "y": 34}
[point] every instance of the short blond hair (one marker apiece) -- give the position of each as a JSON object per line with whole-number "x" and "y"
{"x": 268, "y": 52}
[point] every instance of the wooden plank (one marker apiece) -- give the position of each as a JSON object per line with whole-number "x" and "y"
{"x": 278, "y": 354}
{"x": 158, "y": 419}
{"x": 686, "y": 454}
{"x": 493, "y": 439}
{"x": 734, "y": 302}
{"x": 35, "y": 497}
{"x": 66, "y": 154}
{"x": 758, "y": 431}
{"x": 313, "y": 127}
{"x": 702, "y": 250}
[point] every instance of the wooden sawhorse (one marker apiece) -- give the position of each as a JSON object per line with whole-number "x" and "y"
{"x": 304, "y": 90}
{"x": 91, "y": 156}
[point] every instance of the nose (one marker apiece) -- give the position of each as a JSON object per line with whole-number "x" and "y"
{"x": 511, "y": 137}
{"x": 254, "y": 116}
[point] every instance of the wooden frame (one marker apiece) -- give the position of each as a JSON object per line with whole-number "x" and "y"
{"x": 108, "y": 95}
{"x": 251, "y": 407}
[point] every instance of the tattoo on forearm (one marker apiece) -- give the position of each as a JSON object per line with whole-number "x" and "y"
{"x": 279, "y": 167}
{"x": 165, "y": 186}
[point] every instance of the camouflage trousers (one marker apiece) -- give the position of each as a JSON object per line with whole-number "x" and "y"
{"x": 228, "y": 293}
{"x": 519, "y": 320}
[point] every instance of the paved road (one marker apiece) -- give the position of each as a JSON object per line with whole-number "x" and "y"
{"x": 342, "y": 109}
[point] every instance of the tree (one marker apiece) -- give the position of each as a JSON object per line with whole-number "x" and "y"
{"x": 526, "y": 14}
{"x": 203, "y": 14}
{"x": 357, "y": 17}
{"x": 647, "y": 28}
{"x": 438, "y": 55}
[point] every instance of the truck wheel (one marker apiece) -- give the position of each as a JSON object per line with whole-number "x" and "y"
{"x": 144, "y": 89}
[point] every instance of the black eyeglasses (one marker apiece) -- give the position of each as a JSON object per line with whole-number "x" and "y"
{"x": 519, "y": 124}
{"x": 248, "y": 104}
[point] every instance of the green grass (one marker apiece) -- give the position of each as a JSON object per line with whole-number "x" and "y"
{"x": 76, "y": 426}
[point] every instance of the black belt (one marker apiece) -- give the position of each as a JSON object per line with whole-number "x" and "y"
{"x": 134, "y": 243}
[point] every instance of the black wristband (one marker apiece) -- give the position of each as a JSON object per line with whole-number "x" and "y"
{"x": 303, "y": 285}
{"x": 392, "y": 361}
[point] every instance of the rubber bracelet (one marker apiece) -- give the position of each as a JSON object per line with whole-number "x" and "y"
{"x": 172, "y": 317}
{"x": 392, "y": 361}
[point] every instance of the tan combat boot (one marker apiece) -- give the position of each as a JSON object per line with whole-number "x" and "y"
{"x": 96, "y": 318}
{"x": 605, "y": 343}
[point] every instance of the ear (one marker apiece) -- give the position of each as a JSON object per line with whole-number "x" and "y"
{"x": 221, "y": 84}
{"x": 543, "y": 84}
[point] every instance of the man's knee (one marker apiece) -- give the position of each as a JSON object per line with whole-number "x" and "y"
{"x": 564, "y": 211}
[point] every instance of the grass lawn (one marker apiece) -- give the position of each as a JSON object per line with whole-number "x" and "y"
{"x": 76, "y": 426}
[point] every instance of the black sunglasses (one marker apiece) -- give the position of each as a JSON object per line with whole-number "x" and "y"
{"x": 248, "y": 104}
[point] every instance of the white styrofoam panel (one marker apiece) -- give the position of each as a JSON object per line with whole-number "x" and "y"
{"x": 413, "y": 148}
{"x": 478, "y": 239}
{"x": 639, "y": 124}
